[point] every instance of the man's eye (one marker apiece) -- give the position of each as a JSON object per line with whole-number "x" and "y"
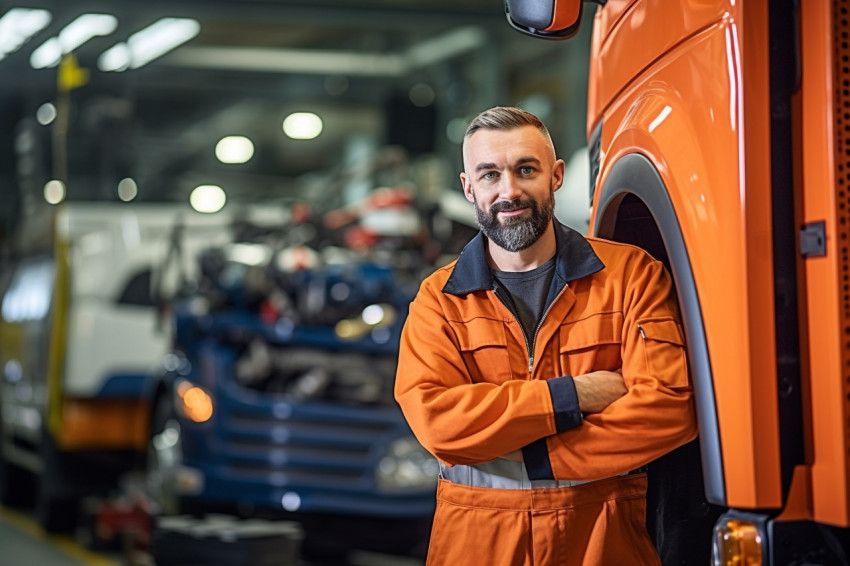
{"x": 489, "y": 175}
{"x": 526, "y": 170}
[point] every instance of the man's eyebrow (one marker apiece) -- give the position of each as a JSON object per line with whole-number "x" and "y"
{"x": 524, "y": 160}
{"x": 520, "y": 161}
{"x": 485, "y": 166}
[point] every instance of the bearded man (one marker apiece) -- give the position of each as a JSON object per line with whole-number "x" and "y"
{"x": 543, "y": 369}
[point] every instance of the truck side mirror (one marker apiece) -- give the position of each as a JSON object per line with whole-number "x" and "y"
{"x": 549, "y": 19}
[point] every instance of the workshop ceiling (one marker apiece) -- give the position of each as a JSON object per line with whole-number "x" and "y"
{"x": 385, "y": 72}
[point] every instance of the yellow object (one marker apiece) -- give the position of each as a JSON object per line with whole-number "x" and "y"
{"x": 71, "y": 75}
{"x": 737, "y": 543}
{"x": 58, "y": 332}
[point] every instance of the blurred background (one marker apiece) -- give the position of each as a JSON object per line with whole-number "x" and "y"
{"x": 212, "y": 217}
{"x": 381, "y": 76}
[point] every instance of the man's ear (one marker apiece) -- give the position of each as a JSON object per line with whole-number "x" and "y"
{"x": 558, "y": 174}
{"x": 467, "y": 187}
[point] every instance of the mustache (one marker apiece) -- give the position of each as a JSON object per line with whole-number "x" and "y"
{"x": 508, "y": 205}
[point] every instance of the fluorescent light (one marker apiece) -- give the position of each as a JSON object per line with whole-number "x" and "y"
{"x": 72, "y": 36}
{"x": 234, "y": 149}
{"x": 127, "y": 189}
{"x": 116, "y": 58}
{"x": 84, "y": 28}
{"x": 18, "y": 25}
{"x": 46, "y": 113}
{"x": 149, "y": 43}
{"x": 302, "y": 125}
{"x": 207, "y": 198}
{"x": 48, "y": 54}
{"x": 161, "y": 37}
{"x": 54, "y": 191}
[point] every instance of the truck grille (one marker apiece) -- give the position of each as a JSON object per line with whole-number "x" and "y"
{"x": 306, "y": 450}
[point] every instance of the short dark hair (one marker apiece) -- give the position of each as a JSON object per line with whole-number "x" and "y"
{"x": 505, "y": 118}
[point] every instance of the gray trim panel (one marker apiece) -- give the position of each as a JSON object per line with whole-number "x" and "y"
{"x": 635, "y": 174}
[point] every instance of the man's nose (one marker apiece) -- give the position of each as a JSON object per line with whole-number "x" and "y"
{"x": 509, "y": 188}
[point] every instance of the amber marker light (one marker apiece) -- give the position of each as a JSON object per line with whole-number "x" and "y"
{"x": 196, "y": 403}
{"x": 737, "y": 543}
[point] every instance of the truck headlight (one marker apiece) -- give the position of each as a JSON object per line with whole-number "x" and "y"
{"x": 737, "y": 543}
{"x": 407, "y": 466}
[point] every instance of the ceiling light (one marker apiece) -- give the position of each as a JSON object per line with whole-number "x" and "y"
{"x": 302, "y": 125}
{"x": 72, "y": 36}
{"x": 46, "y": 113}
{"x": 84, "y": 28}
{"x": 149, "y": 43}
{"x": 18, "y": 25}
{"x": 207, "y": 198}
{"x": 127, "y": 189}
{"x": 48, "y": 54}
{"x": 116, "y": 58}
{"x": 234, "y": 149}
{"x": 161, "y": 37}
{"x": 54, "y": 191}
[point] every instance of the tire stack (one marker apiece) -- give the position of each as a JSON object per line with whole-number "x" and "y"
{"x": 224, "y": 540}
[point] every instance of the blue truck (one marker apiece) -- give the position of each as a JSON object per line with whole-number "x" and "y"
{"x": 277, "y": 401}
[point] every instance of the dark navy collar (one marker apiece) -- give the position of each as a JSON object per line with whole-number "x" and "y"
{"x": 574, "y": 259}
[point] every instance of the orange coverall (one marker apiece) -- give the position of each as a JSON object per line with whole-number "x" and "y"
{"x": 471, "y": 393}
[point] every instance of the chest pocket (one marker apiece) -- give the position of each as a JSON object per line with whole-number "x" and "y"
{"x": 483, "y": 345}
{"x": 591, "y": 344}
{"x": 664, "y": 348}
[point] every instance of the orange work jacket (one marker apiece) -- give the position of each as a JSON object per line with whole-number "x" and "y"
{"x": 472, "y": 389}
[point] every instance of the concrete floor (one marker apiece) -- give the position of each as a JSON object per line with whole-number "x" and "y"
{"x": 22, "y": 541}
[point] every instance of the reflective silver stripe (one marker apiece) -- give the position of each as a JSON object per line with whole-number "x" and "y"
{"x": 500, "y": 474}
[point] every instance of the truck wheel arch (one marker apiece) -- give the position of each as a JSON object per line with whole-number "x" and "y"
{"x": 632, "y": 188}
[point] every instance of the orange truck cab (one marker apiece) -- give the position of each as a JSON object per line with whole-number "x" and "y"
{"x": 719, "y": 136}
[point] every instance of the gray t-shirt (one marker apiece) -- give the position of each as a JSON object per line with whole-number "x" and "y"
{"x": 529, "y": 290}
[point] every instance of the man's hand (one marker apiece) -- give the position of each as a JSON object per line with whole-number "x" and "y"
{"x": 598, "y": 389}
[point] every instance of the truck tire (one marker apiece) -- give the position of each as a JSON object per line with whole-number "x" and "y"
{"x": 57, "y": 506}
{"x": 13, "y": 484}
{"x": 17, "y": 486}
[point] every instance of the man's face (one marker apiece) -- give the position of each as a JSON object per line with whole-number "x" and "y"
{"x": 516, "y": 233}
{"x": 511, "y": 177}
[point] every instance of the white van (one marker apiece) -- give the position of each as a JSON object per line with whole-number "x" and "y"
{"x": 80, "y": 330}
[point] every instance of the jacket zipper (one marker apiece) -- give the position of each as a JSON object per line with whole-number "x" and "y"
{"x": 530, "y": 347}
{"x": 540, "y": 325}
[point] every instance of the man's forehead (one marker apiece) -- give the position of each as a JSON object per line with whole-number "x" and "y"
{"x": 496, "y": 145}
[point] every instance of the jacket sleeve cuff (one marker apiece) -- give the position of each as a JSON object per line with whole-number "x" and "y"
{"x": 565, "y": 403}
{"x": 535, "y": 456}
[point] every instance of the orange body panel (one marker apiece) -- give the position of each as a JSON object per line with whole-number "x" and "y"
{"x": 798, "y": 503}
{"x": 828, "y": 388}
{"x": 564, "y": 18}
{"x": 620, "y": 37}
{"x": 95, "y": 425}
{"x": 698, "y": 111}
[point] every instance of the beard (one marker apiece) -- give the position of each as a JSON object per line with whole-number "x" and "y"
{"x": 516, "y": 233}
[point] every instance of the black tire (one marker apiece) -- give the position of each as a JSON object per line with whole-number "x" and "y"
{"x": 17, "y": 486}
{"x": 57, "y": 505}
